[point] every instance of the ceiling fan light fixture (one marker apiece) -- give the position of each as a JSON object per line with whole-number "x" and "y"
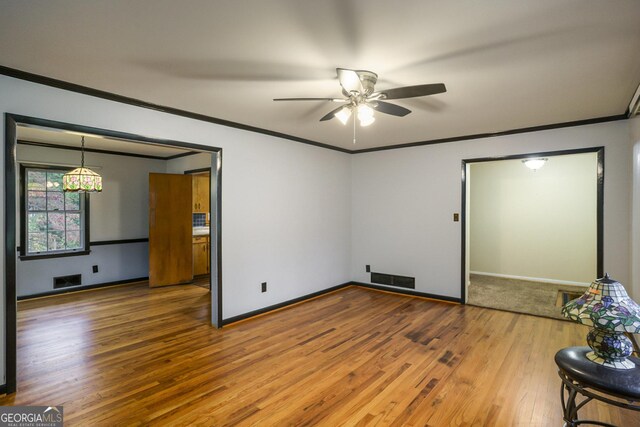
{"x": 535, "y": 164}
{"x": 367, "y": 121}
{"x": 365, "y": 115}
{"x": 343, "y": 115}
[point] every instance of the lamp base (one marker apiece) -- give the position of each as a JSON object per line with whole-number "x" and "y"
{"x": 615, "y": 364}
{"x": 610, "y": 349}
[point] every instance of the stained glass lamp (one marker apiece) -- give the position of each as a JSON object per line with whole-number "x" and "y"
{"x": 610, "y": 312}
{"x": 82, "y": 179}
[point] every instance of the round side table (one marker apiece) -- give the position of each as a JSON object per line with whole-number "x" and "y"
{"x": 581, "y": 376}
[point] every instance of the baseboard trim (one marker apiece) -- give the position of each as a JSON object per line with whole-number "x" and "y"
{"x": 531, "y": 279}
{"x": 409, "y": 292}
{"x": 80, "y": 289}
{"x": 245, "y": 316}
{"x": 279, "y": 306}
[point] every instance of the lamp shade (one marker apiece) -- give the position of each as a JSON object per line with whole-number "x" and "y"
{"x": 605, "y": 305}
{"x": 82, "y": 179}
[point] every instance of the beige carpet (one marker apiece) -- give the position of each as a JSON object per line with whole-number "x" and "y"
{"x": 522, "y": 296}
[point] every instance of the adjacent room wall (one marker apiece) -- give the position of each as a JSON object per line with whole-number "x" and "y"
{"x": 285, "y": 206}
{"x": 119, "y": 212}
{"x": 634, "y": 129}
{"x": 403, "y": 201}
{"x": 537, "y": 225}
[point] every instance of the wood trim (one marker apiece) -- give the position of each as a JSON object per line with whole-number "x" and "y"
{"x": 100, "y": 151}
{"x": 217, "y": 163}
{"x": 410, "y": 292}
{"x": 10, "y": 320}
{"x": 194, "y": 171}
{"x": 82, "y": 288}
{"x": 313, "y": 295}
{"x": 119, "y": 242}
{"x": 600, "y": 214}
{"x": 283, "y": 304}
{"x": 53, "y": 255}
{"x": 599, "y": 198}
{"x": 463, "y": 236}
{"x": 495, "y": 134}
{"x": 72, "y": 87}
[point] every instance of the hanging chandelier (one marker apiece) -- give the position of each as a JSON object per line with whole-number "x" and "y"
{"x": 82, "y": 179}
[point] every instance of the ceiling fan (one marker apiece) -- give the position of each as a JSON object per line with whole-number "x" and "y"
{"x": 358, "y": 88}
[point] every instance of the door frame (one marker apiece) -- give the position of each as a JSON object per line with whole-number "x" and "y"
{"x": 599, "y": 204}
{"x": 10, "y": 167}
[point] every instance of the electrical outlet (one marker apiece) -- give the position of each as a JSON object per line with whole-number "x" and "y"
{"x": 456, "y": 217}
{"x": 95, "y": 268}
{"x": 264, "y": 286}
{"x": 368, "y": 268}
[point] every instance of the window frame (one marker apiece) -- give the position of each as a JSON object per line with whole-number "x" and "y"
{"x": 23, "y": 217}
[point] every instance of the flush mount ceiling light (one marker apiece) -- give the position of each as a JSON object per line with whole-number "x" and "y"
{"x": 535, "y": 164}
{"x": 82, "y": 179}
{"x": 358, "y": 89}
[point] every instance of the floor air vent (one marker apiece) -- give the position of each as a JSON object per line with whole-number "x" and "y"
{"x": 67, "y": 281}
{"x": 390, "y": 279}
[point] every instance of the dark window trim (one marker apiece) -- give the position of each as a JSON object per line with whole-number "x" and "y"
{"x": 23, "y": 219}
{"x": 10, "y": 162}
{"x": 599, "y": 203}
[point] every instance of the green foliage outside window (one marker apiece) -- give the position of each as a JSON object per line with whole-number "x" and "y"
{"x": 54, "y": 218}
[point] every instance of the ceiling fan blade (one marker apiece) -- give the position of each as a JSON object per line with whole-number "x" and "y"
{"x": 311, "y": 99}
{"x": 414, "y": 91}
{"x": 350, "y": 81}
{"x": 388, "y": 108}
{"x": 331, "y": 114}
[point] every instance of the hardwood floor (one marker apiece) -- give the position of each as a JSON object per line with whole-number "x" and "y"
{"x": 138, "y": 356}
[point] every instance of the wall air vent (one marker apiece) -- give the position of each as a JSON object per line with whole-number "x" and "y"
{"x": 67, "y": 281}
{"x": 393, "y": 280}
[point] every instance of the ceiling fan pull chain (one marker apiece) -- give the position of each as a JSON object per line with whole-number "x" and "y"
{"x": 354, "y": 130}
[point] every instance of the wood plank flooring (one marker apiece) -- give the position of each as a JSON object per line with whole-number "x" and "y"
{"x": 138, "y": 356}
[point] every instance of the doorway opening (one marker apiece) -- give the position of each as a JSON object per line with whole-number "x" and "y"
{"x": 102, "y": 237}
{"x": 532, "y": 231}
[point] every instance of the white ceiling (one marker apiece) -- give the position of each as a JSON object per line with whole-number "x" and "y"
{"x": 72, "y": 139}
{"x": 506, "y": 64}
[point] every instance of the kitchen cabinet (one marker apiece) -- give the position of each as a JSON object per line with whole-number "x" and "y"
{"x": 201, "y": 192}
{"x": 201, "y": 255}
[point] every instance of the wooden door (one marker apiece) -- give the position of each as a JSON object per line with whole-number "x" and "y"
{"x": 170, "y": 229}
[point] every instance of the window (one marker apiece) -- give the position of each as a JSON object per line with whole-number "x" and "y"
{"x": 54, "y": 223}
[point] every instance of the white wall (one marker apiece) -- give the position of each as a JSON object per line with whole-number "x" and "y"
{"x": 196, "y": 161}
{"x": 120, "y": 211}
{"x": 285, "y": 206}
{"x": 403, "y": 201}
{"x": 535, "y": 224}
